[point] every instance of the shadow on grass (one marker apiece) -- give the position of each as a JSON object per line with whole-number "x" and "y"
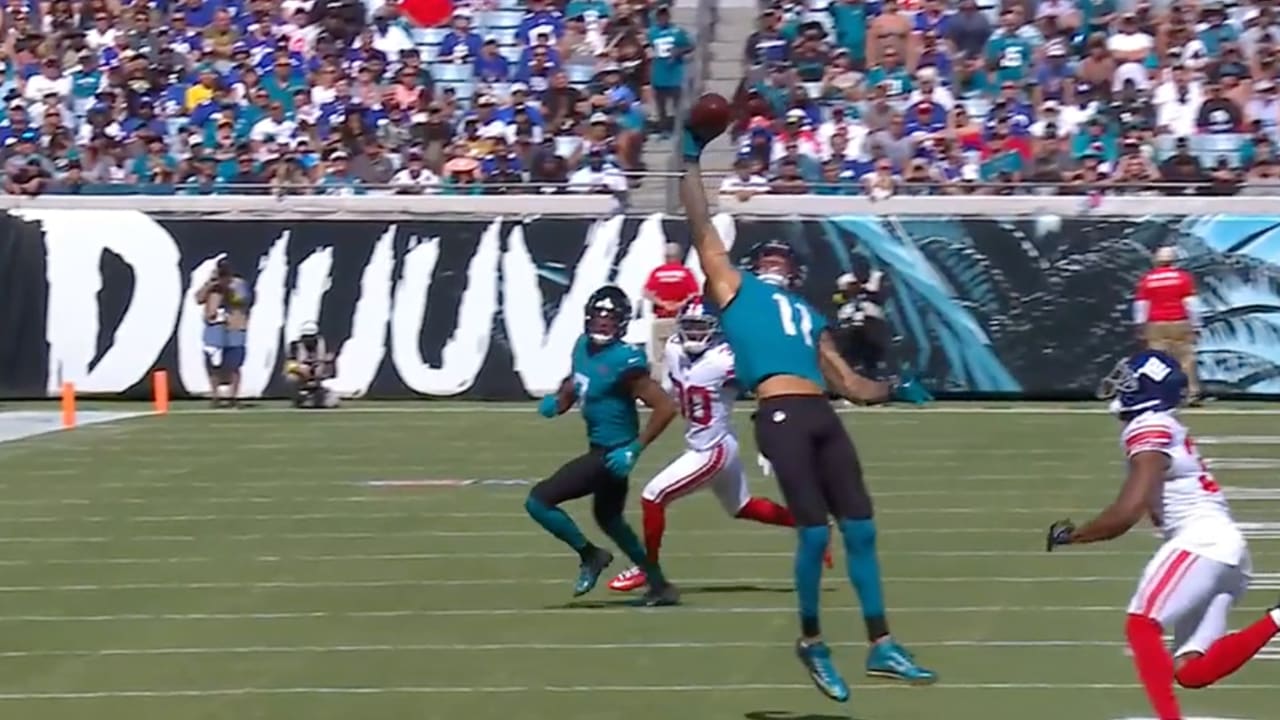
{"x": 787, "y": 715}
{"x": 730, "y": 589}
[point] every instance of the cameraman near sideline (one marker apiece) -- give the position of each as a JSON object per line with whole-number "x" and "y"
{"x": 1165, "y": 313}
{"x": 226, "y": 299}
{"x": 863, "y": 333}
{"x": 309, "y": 365}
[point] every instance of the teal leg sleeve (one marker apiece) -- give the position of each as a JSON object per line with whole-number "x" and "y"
{"x": 808, "y": 575}
{"x": 864, "y": 573}
{"x": 626, "y": 539}
{"x": 557, "y": 522}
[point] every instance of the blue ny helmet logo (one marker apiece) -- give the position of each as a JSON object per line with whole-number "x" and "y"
{"x": 1150, "y": 380}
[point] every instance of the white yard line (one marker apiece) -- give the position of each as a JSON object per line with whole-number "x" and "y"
{"x": 486, "y": 582}
{"x": 493, "y": 647}
{"x": 393, "y": 534}
{"x": 1092, "y": 556}
{"x": 588, "y": 689}
{"x": 585, "y": 611}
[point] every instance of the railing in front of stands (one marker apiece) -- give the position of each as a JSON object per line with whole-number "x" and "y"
{"x": 904, "y": 189}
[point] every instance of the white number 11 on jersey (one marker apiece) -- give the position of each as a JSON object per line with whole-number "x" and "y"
{"x": 787, "y": 312}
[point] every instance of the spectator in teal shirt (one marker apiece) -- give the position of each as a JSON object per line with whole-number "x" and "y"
{"x": 1097, "y": 15}
{"x": 155, "y": 163}
{"x": 205, "y": 181}
{"x": 591, "y": 11}
{"x": 86, "y": 81}
{"x": 1008, "y": 54}
{"x": 282, "y": 83}
{"x": 1004, "y": 163}
{"x": 668, "y": 47}
{"x": 832, "y": 182}
{"x": 971, "y": 79}
{"x": 850, "y": 20}
{"x": 1097, "y": 138}
{"x": 339, "y": 180}
{"x": 1217, "y": 30}
{"x": 892, "y": 75}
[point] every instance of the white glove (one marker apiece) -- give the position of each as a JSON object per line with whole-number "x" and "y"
{"x": 766, "y": 467}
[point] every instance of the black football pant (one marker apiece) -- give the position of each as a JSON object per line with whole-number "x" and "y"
{"x": 813, "y": 459}
{"x": 582, "y": 476}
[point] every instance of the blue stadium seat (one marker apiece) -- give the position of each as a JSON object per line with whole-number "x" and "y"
{"x": 505, "y": 36}
{"x": 497, "y": 19}
{"x": 510, "y": 52}
{"x": 1211, "y": 146}
{"x": 452, "y": 72}
{"x": 567, "y": 145}
{"x": 429, "y": 36}
{"x": 429, "y": 53}
{"x": 580, "y": 74}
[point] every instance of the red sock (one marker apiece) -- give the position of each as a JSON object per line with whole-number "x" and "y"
{"x": 1155, "y": 665}
{"x": 766, "y": 511}
{"x": 655, "y": 523}
{"x": 1227, "y": 655}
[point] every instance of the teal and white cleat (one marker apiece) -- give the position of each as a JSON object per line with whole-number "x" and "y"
{"x": 816, "y": 658}
{"x": 589, "y": 571}
{"x": 888, "y": 659}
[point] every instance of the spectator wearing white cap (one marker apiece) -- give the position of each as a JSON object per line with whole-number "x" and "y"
{"x": 1050, "y": 124}
{"x": 928, "y": 88}
{"x": 797, "y": 130}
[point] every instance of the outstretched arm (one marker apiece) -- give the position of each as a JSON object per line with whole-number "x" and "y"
{"x": 846, "y": 382}
{"x": 723, "y": 279}
{"x": 1146, "y": 473}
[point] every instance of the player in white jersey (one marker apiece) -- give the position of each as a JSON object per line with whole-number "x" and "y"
{"x": 1202, "y": 569}
{"x": 700, "y": 377}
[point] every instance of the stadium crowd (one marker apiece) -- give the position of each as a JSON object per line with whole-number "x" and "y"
{"x": 878, "y": 98}
{"x": 332, "y": 96}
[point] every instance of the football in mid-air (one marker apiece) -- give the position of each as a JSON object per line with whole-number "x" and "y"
{"x": 710, "y": 116}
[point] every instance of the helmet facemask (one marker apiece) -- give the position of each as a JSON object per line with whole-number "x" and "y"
{"x": 697, "y": 334}
{"x": 603, "y": 327}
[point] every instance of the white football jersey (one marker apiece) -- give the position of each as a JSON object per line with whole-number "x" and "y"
{"x": 702, "y": 386}
{"x": 1192, "y": 512}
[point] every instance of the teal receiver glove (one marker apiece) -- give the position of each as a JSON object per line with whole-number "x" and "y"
{"x": 909, "y": 389}
{"x": 620, "y": 461}
{"x": 691, "y": 145}
{"x": 549, "y": 407}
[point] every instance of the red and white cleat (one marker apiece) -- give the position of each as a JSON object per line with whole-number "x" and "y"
{"x": 628, "y": 580}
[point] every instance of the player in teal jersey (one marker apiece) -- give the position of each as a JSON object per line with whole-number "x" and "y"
{"x": 608, "y": 376}
{"x": 786, "y": 355}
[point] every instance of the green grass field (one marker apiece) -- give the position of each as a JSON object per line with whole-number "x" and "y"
{"x": 239, "y": 565}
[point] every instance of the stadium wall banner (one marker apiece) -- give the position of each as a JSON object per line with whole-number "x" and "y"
{"x": 489, "y": 308}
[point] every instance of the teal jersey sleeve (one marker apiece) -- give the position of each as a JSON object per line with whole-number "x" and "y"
{"x": 772, "y": 332}
{"x": 601, "y": 378}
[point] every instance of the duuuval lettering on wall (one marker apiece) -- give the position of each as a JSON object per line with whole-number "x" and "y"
{"x": 490, "y": 308}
